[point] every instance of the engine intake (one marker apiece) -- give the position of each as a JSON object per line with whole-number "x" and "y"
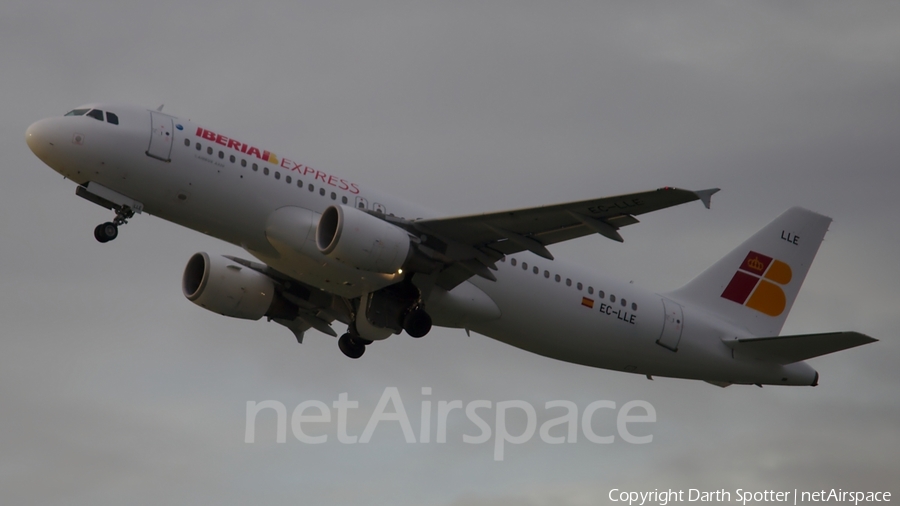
{"x": 363, "y": 241}
{"x": 217, "y": 284}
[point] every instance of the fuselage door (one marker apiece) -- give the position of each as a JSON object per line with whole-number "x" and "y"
{"x": 160, "y": 136}
{"x": 672, "y": 325}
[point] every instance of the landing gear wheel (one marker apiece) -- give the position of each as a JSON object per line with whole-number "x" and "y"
{"x": 351, "y": 346}
{"x": 106, "y": 232}
{"x": 417, "y": 323}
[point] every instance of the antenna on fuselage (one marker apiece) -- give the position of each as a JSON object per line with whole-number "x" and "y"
{"x": 159, "y": 109}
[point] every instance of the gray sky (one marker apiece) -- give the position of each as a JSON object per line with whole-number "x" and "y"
{"x": 115, "y": 389}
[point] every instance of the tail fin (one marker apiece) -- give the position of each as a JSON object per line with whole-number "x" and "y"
{"x": 755, "y": 285}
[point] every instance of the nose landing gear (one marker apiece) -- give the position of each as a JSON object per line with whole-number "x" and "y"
{"x": 108, "y": 231}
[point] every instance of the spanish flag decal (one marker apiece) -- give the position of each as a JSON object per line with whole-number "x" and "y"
{"x": 587, "y": 302}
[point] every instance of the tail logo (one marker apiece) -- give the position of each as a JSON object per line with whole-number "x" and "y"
{"x": 757, "y": 284}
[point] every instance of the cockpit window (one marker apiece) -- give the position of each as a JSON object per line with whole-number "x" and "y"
{"x": 77, "y": 112}
{"x": 96, "y": 114}
{"x": 112, "y": 118}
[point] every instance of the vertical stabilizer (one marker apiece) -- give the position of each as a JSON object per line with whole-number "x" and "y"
{"x": 755, "y": 285}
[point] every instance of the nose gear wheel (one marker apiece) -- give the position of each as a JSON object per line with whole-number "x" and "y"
{"x": 108, "y": 231}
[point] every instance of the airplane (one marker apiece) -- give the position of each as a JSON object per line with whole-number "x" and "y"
{"x": 328, "y": 249}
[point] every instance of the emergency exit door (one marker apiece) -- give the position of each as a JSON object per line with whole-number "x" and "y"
{"x": 672, "y": 325}
{"x": 160, "y": 136}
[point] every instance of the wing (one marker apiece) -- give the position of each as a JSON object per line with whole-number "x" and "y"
{"x": 317, "y": 309}
{"x": 471, "y": 244}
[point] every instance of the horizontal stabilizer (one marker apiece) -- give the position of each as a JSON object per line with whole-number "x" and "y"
{"x": 789, "y": 349}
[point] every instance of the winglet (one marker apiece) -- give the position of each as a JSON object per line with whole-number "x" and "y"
{"x": 705, "y": 196}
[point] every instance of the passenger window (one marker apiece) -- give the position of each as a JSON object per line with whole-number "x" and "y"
{"x": 77, "y": 112}
{"x": 512, "y": 262}
{"x": 243, "y": 163}
{"x": 198, "y": 146}
{"x": 287, "y": 179}
{"x": 568, "y": 282}
{"x": 96, "y": 114}
{"x": 255, "y": 167}
{"x": 113, "y": 119}
{"x": 536, "y": 270}
{"x": 232, "y": 158}
{"x": 547, "y": 274}
{"x": 524, "y": 266}
{"x": 187, "y": 142}
{"x": 221, "y": 155}
{"x": 557, "y": 278}
{"x": 322, "y": 191}
{"x": 633, "y": 306}
{"x": 624, "y": 303}
{"x": 590, "y": 289}
{"x": 601, "y": 294}
{"x": 299, "y": 184}
{"x": 612, "y": 298}
{"x": 333, "y": 196}
{"x": 579, "y": 286}
{"x": 277, "y": 175}
{"x": 344, "y": 199}
{"x": 266, "y": 171}
{"x": 311, "y": 187}
{"x": 209, "y": 150}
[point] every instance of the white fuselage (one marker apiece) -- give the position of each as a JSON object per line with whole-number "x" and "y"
{"x": 548, "y": 307}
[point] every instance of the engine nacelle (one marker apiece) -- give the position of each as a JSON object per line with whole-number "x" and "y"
{"x": 360, "y": 240}
{"x": 221, "y": 286}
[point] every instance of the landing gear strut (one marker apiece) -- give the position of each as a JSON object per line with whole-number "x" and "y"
{"x": 108, "y": 231}
{"x": 353, "y": 346}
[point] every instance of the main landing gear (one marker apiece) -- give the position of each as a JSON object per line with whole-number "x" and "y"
{"x": 108, "y": 231}
{"x": 353, "y": 346}
{"x": 416, "y": 323}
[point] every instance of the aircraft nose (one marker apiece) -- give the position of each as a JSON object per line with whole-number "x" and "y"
{"x": 38, "y": 137}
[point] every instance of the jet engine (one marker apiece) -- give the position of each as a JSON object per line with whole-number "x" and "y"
{"x": 363, "y": 241}
{"x": 221, "y": 286}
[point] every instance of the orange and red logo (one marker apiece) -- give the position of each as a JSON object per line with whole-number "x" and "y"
{"x": 756, "y": 284}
